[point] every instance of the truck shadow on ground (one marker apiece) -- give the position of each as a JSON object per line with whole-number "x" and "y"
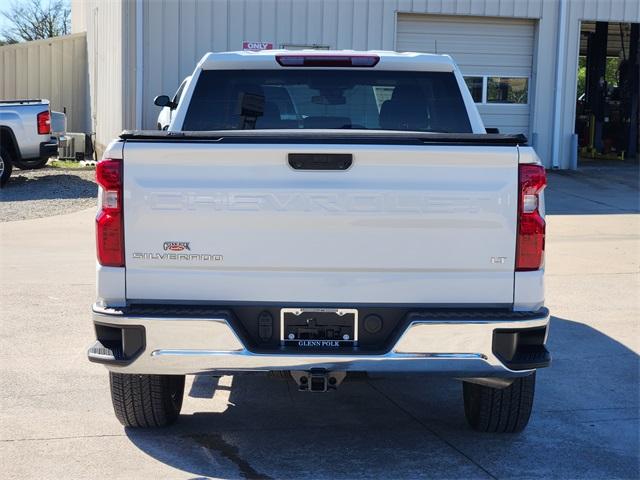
{"x": 584, "y": 424}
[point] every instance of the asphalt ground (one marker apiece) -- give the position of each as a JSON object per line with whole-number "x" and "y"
{"x": 56, "y": 419}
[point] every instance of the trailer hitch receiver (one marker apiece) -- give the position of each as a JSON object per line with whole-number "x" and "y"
{"x": 318, "y": 380}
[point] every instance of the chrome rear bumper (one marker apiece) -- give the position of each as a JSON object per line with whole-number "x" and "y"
{"x": 456, "y": 348}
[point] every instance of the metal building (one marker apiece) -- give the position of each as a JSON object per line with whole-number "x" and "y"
{"x": 138, "y": 49}
{"x": 55, "y": 69}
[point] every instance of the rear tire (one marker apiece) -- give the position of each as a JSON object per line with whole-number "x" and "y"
{"x": 143, "y": 401}
{"x": 6, "y": 166}
{"x": 499, "y": 410}
{"x": 31, "y": 164}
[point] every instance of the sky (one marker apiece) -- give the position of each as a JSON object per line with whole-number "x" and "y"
{"x": 4, "y": 5}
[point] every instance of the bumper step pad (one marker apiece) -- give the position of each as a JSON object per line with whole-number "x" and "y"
{"x": 530, "y": 357}
{"x": 110, "y": 352}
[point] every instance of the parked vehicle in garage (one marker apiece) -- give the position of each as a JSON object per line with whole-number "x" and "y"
{"x": 378, "y": 228}
{"x": 27, "y": 140}
{"x": 169, "y": 105}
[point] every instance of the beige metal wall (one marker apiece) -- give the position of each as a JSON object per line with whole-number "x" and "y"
{"x": 55, "y": 69}
{"x": 176, "y": 33}
{"x": 79, "y": 16}
{"x": 111, "y": 51}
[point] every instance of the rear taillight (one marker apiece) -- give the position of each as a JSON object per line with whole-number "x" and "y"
{"x": 110, "y": 219}
{"x": 44, "y": 123}
{"x": 361, "y": 61}
{"x": 531, "y": 226}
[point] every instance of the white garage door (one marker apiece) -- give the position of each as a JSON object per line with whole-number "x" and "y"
{"x": 494, "y": 54}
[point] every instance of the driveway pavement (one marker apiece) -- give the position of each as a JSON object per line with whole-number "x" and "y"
{"x": 56, "y": 419}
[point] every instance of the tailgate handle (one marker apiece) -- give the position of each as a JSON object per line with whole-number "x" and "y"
{"x": 320, "y": 161}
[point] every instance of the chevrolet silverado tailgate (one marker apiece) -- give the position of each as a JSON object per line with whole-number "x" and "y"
{"x": 426, "y": 224}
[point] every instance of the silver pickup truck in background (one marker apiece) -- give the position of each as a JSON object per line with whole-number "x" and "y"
{"x": 26, "y": 139}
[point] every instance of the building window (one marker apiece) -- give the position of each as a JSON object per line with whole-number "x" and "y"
{"x": 476, "y": 87}
{"x": 507, "y": 90}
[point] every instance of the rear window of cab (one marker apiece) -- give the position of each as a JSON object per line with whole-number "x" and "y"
{"x": 327, "y": 99}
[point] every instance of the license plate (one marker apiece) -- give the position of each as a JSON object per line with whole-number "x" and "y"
{"x": 319, "y": 327}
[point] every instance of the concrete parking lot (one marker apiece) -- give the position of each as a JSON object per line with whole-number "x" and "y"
{"x": 56, "y": 419}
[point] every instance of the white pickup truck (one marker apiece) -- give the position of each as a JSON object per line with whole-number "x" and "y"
{"x": 26, "y": 139}
{"x": 322, "y": 213}
{"x": 169, "y": 105}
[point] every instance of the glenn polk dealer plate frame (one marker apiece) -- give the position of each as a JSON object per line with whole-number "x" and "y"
{"x": 338, "y": 311}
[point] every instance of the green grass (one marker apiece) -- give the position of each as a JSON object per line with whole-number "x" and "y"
{"x": 68, "y": 164}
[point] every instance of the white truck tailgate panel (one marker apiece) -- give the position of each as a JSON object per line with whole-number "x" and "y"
{"x": 404, "y": 224}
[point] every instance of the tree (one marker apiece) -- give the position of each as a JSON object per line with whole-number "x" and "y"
{"x": 610, "y": 75}
{"x": 36, "y": 19}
